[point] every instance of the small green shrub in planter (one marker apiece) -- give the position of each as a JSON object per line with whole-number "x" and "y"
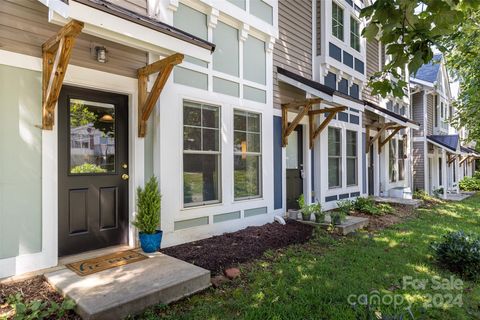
{"x": 316, "y": 209}
{"x": 470, "y": 184}
{"x": 343, "y": 210}
{"x": 304, "y": 208}
{"x": 148, "y": 216}
{"x": 459, "y": 252}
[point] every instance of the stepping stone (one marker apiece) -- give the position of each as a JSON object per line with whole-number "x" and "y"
{"x": 127, "y": 290}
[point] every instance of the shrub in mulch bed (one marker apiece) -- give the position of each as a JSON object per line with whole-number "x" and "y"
{"x": 379, "y": 222}
{"x": 33, "y": 289}
{"x": 230, "y": 249}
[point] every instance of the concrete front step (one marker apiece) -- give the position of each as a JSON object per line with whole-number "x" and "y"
{"x": 413, "y": 203}
{"x": 118, "y": 292}
{"x": 351, "y": 224}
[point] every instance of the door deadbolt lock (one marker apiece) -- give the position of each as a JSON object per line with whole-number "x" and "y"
{"x": 124, "y": 166}
{"x": 125, "y": 176}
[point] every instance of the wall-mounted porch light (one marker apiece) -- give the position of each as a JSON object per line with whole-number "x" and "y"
{"x": 101, "y": 54}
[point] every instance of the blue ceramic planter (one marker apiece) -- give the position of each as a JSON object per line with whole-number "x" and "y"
{"x": 150, "y": 242}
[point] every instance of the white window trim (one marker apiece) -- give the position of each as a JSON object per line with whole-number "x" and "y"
{"x": 340, "y": 157}
{"x": 218, "y": 153}
{"x": 351, "y": 157}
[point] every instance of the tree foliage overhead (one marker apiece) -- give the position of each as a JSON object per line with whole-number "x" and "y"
{"x": 410, "y": 29}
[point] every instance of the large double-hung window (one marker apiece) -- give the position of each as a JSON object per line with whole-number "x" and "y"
{"x": 355, "y": 34}
{"x": 201, "y": 154}
{"x": 352, "y": 158}
{"x": 396, "y": 160}
{"x": 247, "y": 155}
{"x": 334, "y": 157}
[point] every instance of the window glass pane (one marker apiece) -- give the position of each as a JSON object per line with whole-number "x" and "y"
{"x": 292, "y": 150}
{"x": 192, "y": 115}
{"x": 191, "y": 21}
{"x": 334, "y": 160}
{"x": 254, "y": 60}
{"x": 333, "y": 172}
{"x": 226, "y": 54}
{"x": 247, "y": 176}
{"x": 351, "y": 171}
{"x": 192, "y": 138}
{"x": 200, "y": 178}
{"x": 92, "y": 137}
{"x": 210, "y": 117}
{"x": 239, "y": 139}
{"x": 210, "y": 140}
{"x": 337, "y": 21}
{"x": 392, "y": 160}
{"x": 253, "y": 122}
{"x": 354, "y": 34}
{"x": 253, "y": 142}
{"x": 351, "y": 143}
{"x": 240, "y": 121}
{"x": 401, "y": 161}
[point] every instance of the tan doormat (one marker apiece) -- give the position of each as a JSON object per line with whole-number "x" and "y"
{"x": 90, "y": 266}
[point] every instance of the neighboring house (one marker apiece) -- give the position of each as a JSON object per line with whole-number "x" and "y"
{"x": 440, "y": 159}
{"x": 68, "y": 183}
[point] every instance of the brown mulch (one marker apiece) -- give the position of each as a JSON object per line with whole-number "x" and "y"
{"x": 384, "y": 221}
{"x": 230, "y": 249}
{"x": 35, "y": 288}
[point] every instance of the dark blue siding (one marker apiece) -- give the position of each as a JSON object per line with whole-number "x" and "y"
{"x": 354, "y": 90}
{"x": 343, "y": 86}
{"x": 277, "y": 162}
{"x": 335, "y": 52}
{"x": 348, "y": 59}
{"x": 359, "y": 66}
{"x": 343, "y": 116}
{"x": 354, "y": 119}
{"x": 331, "y": 80}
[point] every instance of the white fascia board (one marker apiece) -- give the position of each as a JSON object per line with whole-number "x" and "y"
{"x": 348, "y": 103}
{"x": 110, "y": 27}
{"x": 57, "y": 6}
{"x": 421, "y": 82}
{"x": 305, "y": 88}
{"x": 390, "y": 118}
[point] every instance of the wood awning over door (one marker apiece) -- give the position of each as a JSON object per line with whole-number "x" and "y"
{"x": 304, "y": 108}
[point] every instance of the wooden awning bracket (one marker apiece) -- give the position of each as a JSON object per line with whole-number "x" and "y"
{"x": 377, "y": 136}
{"x": 314, "y": 132}
{"x": 146, "y": 102}
{"x": 287, "y": 129}
{"x": 451, "y": 159}
{"x": 463, "y": 160}
{"x": 56, "y": 53}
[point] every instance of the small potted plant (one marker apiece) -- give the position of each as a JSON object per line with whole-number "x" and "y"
{"x": 148, "y": 216}
{"x": 304, "y": 208}
{"x": 316, "y": 208}
{"x": 339, "y": 215}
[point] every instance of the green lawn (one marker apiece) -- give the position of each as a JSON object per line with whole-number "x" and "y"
{"x": 314, "y": 281}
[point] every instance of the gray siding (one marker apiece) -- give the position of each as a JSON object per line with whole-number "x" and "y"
{"x": 24, "y": 27}
{"x": 293, "y": 49}
{"x": 418, "y": 166}
{"x": 430, "y": 114}
{"x": 138, "y": 6}
{"x": 372, "y": 67}
{"x": 418, "y": 113}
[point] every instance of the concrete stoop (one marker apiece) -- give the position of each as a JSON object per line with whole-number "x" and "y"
{"x": 351, "y": 224}
{"x": 127, "y": 290}
{"x": 413, "y": 203}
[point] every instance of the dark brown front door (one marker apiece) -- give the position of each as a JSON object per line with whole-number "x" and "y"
{"x": 294, "y": 167}
{"x": 92, "y": 170}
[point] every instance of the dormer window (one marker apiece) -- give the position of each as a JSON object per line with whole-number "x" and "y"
{"x": 337, "y": 21}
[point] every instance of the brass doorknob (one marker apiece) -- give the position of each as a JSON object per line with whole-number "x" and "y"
{"x": 125, "y": 176}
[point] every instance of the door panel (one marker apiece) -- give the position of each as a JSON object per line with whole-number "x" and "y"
{"x": 92, "y": 157}
{"x": 294, "y": 167}
{"x": 371, "y": 172}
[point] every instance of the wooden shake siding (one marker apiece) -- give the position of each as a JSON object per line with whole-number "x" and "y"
{"x": 24, "y": 27}
{"x": 418, "y": 166}
{"x": 430, "y": 114}
{"x": 293, "y": 49}
{"x": 372, "y": 67}
{"x": 138, "y": 6}
{"x": 418, "y": 113}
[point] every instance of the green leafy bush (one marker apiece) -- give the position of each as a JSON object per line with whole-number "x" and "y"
{"x": 37, "y": 309}
{"x": 459, "y": 252}
{"x": 87, "y": 168}
{"x": 148, "y": 205}
{"x": 470, "y": 184}
{"x": 368, "y": 205}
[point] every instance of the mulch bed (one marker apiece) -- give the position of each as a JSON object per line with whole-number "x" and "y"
{"x": 384, "y": 221}
{"x": 230, "y": 249}
{"x": 35, "y": 288}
